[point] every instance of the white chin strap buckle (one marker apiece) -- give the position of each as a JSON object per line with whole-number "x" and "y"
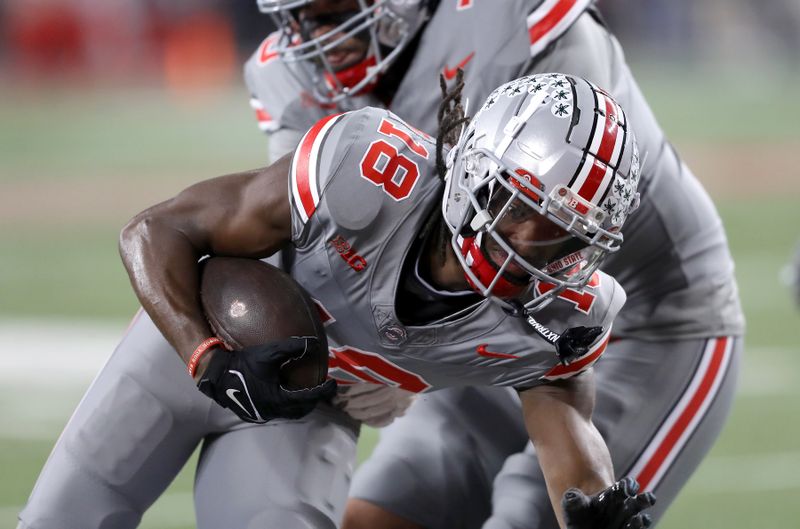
{"x": 481, "y": 219}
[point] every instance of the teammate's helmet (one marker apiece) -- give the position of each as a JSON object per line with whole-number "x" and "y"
{"x": 538, "y": 187}
{"x": 386, "y": 26}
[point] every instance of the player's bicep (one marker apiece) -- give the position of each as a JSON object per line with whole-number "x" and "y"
{"x": 547, "y": 405}
{"x": 243, "y": 214}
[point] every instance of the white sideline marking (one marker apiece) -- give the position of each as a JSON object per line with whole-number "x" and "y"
{"x": 55, "y": 351}
{"x": 45, "y": 366}
{"x": 68, "y": 353}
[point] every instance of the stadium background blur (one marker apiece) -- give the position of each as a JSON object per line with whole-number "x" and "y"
{"x": 108, "y": 107}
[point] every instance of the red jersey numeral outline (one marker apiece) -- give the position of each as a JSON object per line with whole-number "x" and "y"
{"x": 387, "y": 128}
{"x": 373, "y": 368}
{"x": 582, "y": 299}
{"x": 386, "y": 167}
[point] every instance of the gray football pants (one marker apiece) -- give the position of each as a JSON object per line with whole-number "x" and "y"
{"x": 140, "y": 421}
{"x": 460, "y": 458}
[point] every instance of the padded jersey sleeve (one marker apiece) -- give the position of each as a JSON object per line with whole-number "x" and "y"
{"x": 548, "y": 20}
{"x": 585, "y": 50}
{"x": 272, "y": 90}
{"x": 603, "y": 314}
{"x": 353, "y": 170}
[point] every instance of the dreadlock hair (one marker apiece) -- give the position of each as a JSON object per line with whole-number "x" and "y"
{"x": 451, "y": 117}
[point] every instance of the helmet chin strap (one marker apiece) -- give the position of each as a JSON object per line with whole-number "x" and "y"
{"x": 570, "y": 345}
{"x": 490, "y": 280}
{"x": 352, "y": 75}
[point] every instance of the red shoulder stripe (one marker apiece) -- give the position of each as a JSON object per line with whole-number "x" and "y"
{"x": 579, "y": 364}
{"x": 550, "y": 20}
{"x": 304, "y": 172}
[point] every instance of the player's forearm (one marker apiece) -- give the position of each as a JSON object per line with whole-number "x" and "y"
{"x": 243, "y": 214}
{"x": 163, "y": 270}
{"x": 585, "y": 465}
{"x": 571, "y": 451}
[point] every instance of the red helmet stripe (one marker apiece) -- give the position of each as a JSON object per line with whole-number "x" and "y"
{"x": 593, "y": 179}
{"x": 612, "y": 137}
{"x": 605, "y": 146}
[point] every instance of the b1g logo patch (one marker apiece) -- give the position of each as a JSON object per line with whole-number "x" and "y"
{"x": 348, "y": 253}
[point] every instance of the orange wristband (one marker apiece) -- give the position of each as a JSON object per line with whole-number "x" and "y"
{"x": 202, "y": 349}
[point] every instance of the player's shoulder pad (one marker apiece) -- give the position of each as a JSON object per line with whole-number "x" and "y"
{"x": 547, "y": 20}
{"x": 272, "y": 87}
{"x": 353, "y": 152}
{"x": 597, "y": 305}
{"x": 544, "y": 20}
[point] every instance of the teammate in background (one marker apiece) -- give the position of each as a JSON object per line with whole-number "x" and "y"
{"x": 791, "y": 275}
{"x": 470, "y": 282}
{"x": 668, "y": 377}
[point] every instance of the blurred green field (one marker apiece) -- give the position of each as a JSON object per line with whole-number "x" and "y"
{"x": 75, "y": 165}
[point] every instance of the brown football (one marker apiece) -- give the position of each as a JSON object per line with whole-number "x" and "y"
{"x": 249, "y": 302}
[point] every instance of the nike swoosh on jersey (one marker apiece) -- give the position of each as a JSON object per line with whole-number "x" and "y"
{"x": 450, "y": 73}
{"x": 482, "y": 351}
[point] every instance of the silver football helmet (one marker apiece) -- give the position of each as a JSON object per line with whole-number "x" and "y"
{"x": 386, "y": 26}
{"x": 538, "y": 188}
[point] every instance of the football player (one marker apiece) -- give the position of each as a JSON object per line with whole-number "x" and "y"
{"x": 668, "y": 376}
{"x": 470, "y": 265}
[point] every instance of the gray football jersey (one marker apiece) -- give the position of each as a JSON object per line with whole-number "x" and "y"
{"x": 524, "y": 30}
{"x": 272, "y": 87}
{"x": 674, "y": 265}
{"x": 363, "y": 185}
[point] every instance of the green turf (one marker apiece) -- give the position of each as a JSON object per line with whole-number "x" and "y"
{"x": 71, "y": 134}
{"x": 723, "y": 106}
{"x": 69, "y": 267}
{"x": 63, "y": 272}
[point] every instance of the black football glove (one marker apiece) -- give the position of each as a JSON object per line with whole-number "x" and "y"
{"x": 246, "y": 381}
{"x": 617, "y": 507}
{"x": 575, "y": 342}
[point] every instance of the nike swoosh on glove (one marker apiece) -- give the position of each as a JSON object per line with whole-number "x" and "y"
{"x": 246, "y": 381}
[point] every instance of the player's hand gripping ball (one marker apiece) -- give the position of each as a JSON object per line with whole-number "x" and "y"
{"x": 617, "y": 507}
{"x": 278, "y": 362}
